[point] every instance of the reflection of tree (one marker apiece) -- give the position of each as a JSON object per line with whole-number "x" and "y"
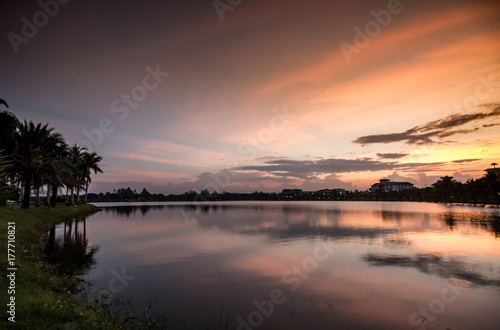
{"x": 437, "y": 265}
{"x": 449, "y": 218}
{"x": 128, "y": 210}
{"x": 392, "y": 215}
{"x": 71, "y": 250}
{"x": 489, "y": 222}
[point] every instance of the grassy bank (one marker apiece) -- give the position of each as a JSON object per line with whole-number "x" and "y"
{"x": 43, "y": 294}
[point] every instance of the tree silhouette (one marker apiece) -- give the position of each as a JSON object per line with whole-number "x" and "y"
{"x": 90, "y": 163}
{"x": 6, "y": 190}
{"x": 62, "y": 172}
{"x": 2, "y": 101}
{"x": 8, "y": 126}
{"x": 36, "y": 144}
{"x": 76, "y": 180}
{"x": 33, "y": 156}
{"x": 446, "y": 187}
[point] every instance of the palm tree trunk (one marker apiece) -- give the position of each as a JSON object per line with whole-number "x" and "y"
{"x": 37, "y": 203}
{"x": 27, "y": 194}
{"x": 21, "y": 193}
{"x": 78, "y": 195}
{"x": 72, "y": 196}
{"x": 53, "y": 198}
{"x": 47, "y": 199}
{"x": 87, "y": 191}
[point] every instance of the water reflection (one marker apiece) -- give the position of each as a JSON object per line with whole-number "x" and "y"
{"x": 67, "y": 245}
{"x": 389, "y": 259}
{"x": 487, "y": 220}
{"x": 479, "y": 274}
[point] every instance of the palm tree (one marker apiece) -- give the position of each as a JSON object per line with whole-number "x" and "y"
{"x": 90, "y": 163}
{"x": 4, "y": 103}
{"x": 62, "y": 173}
{"x": 6, "y": 190}
{"x": 76, "y": 181}
{"x": 8, "y": 127}
{"x": 34, "y": 154}
{"x": 8, "y": 144}
{"x": 492, "y": 182}
{"x": 446, "y": 187}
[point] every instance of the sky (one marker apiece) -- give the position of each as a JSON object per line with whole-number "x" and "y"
{"x": 239, "y": 95}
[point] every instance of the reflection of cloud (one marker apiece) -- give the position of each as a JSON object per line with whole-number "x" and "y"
{"x": 462, "y": 283}
{"x": 438, "y": 129}
{"x": 305, "y": 230}
{"x": 436, "y": 265}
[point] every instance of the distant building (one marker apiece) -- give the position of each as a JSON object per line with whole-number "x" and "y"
{"x": 291, "y": 192}
{"x": 387, "y": 185}
{"x": 336, "y": 191}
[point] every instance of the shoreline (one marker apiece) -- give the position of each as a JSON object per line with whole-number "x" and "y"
{"x": 198, "y": 202}
{"x": 44, "y": 295}
{"x": 40, "y": 295}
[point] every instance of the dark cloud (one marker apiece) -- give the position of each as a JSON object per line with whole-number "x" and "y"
{"x": 438, "y": 129}
{"x": 469, "y": 160}
{"x": 461, "y": 131}
{"x": 308, "y": 168}
{"x": 392, "y": 155}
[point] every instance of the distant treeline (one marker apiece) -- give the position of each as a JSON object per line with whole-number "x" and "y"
{"x": 485, "y": 190}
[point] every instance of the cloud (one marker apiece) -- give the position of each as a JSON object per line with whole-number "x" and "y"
{"x": 422, "y": 180}
{"x": 331, "y": 181}
{"x": 392, "y": 155}
{"x": 461, "y": 177}
{"x": 469, "y": 160}
{"x": 307, "y": 169}
{"x": 398, "y": 178}
{"x": 432, "y": 131}
{"x": 233, "y": 180}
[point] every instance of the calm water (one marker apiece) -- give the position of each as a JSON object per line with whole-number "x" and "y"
{"x": 298, "y": 265}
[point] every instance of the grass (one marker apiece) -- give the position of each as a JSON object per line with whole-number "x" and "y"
{"x": 43, "y": 293}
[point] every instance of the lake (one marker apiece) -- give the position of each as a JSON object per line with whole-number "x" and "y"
{"x": 295, "y": 265}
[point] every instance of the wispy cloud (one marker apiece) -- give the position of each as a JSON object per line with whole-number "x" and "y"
{"x": 433, "y": 131}
{"x": 391, "y": 155}
{"x": 461, "y": 161}
{"x": 304, "y": 169}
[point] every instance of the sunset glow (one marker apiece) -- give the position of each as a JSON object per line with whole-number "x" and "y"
{"x": 266, "y": 98}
